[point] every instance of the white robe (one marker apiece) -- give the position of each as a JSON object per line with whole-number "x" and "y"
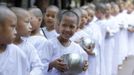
{"x": 110, "y": 48}
{"x": 48, "y": 34}
{"x": 13, "y": 61}
{"x": 102, "y": 25}
{"x": 36, "y": 67}
{"x": 93, "y": 30}
{"x": 130, "y": 34}
{"x": 122, "y": 37}
{"x": 54, "y": 50}
{"x": 37, "y": 42}
{"x": 79, "y": 35}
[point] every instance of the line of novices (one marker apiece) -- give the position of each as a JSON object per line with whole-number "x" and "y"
{"x": 28, "y": 49}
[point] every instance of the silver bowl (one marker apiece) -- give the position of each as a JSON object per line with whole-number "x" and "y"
{"x": 87, "y": 43}
{"x": 130, "y": 26}
{"x": 74, "y": 61}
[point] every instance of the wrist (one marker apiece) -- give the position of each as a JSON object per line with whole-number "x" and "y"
{"x": 50, "y": 67}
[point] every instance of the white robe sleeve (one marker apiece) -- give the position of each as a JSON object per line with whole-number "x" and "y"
{"x": 22, "y": 62}
{"x": 36, "y": 65}
{"x": 46, "y": 56}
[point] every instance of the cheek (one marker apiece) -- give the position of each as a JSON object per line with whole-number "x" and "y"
{"x": 8, "y": 33}
{"x": 34, "y": 23}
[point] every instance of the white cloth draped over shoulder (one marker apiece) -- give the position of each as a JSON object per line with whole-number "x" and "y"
{"x": 13, "y": 61}
{"x": 36, "y": 67}
{"x": 54, "y": 50}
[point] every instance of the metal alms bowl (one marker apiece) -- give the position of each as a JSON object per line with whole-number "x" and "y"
{"x": 74, "y": 61}
{"x": 87, "y": 43}
{"x": 130, "y": 26}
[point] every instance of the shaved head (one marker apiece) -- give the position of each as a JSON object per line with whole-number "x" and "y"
{"x": 20, "y": 13}
{"x": 5, "y": 13}
{"x": 8, "y": 22}
{"x": 53, "y": 8}
{"x": 36, "y": 12}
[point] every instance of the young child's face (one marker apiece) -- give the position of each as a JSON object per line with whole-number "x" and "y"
{"x": 50, "y": 18}
{"x": 99, "y": 14}
{"x": 130, "y": 8}
{"x": 68, "y": 27}
{"x": 7, "y": 29}
{"x": 24, "y": 27}
{"x": 115, "y": 10}
{"x": 35, "y": 22}
{"x": 108, "y": 10}
{"x": 84, "y": 18}
{"x": 90, "y": 15}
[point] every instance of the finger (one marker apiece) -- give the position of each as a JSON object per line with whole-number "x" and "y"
{"x": 60, "y": 60}
{"x": 62, "y": 68}
{"x": 62, "y": 64}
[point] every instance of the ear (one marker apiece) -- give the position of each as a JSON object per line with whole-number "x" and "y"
{"x": 40, "y": 19}
{"x": 1, "y": 28}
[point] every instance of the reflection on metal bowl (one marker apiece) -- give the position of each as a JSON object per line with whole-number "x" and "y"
{"x": 87, "y": 43}
{"x": 130, "y": 26}
{"x": 74, "y": 61}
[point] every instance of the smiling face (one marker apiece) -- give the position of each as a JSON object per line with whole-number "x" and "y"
{"x": 91, "y": 14}
{"x": 7, "y": 29}
{"x": 84, "y": 18}
{"x": 24, "y": 27}
{"x": 68, "y": 27}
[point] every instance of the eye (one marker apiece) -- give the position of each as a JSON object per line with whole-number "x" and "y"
{"x": 31, "y": 18}
{"x": 13, "y": 26}
{"x": 71, "y": 27}
{"x": 27, "y": 21}
{"x": 64, "y": 25}
{"x": 53, "y": 16}
{"x": 47, "y": 15}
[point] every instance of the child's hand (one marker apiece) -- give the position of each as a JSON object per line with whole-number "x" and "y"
{"x": 59, "y": 65}
{"x": 85, "y": 67}
{"x": 131, "y": 29}
{"x": 90, "y": 51}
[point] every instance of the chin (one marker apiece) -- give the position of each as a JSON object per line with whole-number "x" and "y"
{"x": 9, "y": 42}
{"x": 65, "y": 37}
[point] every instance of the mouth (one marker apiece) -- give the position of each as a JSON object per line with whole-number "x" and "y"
{"x": 67, "y": 35}
{"x": 50, "y": 22}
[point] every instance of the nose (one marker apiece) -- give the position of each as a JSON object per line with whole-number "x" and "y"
{"x": 49, "y": 17}
{"x": 29, "y": 26}
{"x": 15, "y": 31}
{"x": 67, "y": 28}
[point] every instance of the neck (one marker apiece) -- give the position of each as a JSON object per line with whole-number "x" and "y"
{"x": 78, "y": 29}
{"x": 129, "y": 12}
{"x": 107, "y": 16}
{"x": 49, "y": 28}
{"x": 18, "y": 40}
{"x": 63, "y": 41}
{"x": 2, "y": 47}
{"x": 35, "y": 32}
{"x": 102, "y": 18}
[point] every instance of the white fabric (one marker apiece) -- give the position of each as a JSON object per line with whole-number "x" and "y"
{"x": 97, "y": 65}
{"x": 122, "y": 37}
{"x": 92, "y": 59}
{"x": 102, "y": 25}
{"x": 13, "y": 61}
{"x": 78, "y": 36}
{"x": 36, "y": 67}
{"x": 49, "y": 34}
{"x": 37, "y": 42}
{"x": 130, "y": 18}
{"x": 54, "y": 49}
{"x": 111, "y": 53}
